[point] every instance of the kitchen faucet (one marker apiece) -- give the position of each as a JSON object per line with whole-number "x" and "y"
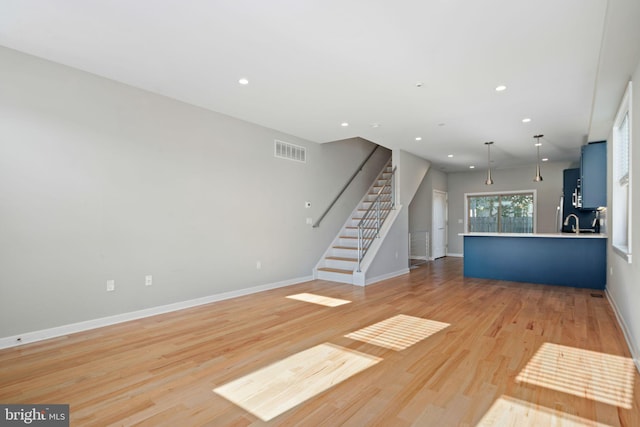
{"x": 566, "y": 222}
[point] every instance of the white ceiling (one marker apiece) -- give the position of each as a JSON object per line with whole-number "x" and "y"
{"x": 313, "y": 64}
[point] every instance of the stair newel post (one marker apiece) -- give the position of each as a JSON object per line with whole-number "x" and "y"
{"x": 359, "y": 245}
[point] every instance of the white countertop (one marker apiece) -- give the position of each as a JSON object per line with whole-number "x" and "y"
{"x": 545, "y": 235}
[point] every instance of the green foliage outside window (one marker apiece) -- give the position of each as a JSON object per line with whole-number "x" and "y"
{"x": 504, "y": 213}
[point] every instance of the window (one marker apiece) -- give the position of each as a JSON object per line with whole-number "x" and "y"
{"x": 621, "y": 187}
{"x": 512, "y": 212}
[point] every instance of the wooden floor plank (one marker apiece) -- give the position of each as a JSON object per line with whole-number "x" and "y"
{"x": 163, "y": 370}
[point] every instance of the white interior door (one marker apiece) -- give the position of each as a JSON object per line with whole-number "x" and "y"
{"x": 439, "y": 225}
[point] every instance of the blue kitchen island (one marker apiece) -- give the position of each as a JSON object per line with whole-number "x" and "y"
{"x": 565, "y": 259}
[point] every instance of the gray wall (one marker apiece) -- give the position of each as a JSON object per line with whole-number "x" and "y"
{"x": 100, "y": 181}
{"x": 421, "y": 207}
{"x": 623, "y": 282}
{"x": 411, "y": 172}
{"x": 393, "y": 256}
{"x": 548, "y": 195}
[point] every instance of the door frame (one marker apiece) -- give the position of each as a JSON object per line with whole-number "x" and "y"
{"x": 433, "y": 224}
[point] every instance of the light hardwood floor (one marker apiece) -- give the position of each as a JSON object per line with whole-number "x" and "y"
{"x": 430, "y": 348}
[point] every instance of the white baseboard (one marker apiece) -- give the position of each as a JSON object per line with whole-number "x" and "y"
{"x": 387, "y": 276}
{"x": 455, "y": 255}
{"x": 30, "y": 337}
{"x": 625, "y": 331}
{"x": 419, "y": 257}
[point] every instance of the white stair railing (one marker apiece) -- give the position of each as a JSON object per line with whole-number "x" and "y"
{"x": 418, "y": 246}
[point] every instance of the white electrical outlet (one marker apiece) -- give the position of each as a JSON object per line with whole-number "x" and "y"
{"x": 148, "y": 280}
{"x": 111, "y": 285}
{"x": 309, "y": 221}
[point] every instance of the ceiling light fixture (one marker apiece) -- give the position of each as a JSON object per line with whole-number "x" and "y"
{"x": 489, "y": 180}
{"x": 472, "y": 167}
{"x": 501, "y": 88}
{"x": 526, "y": 120}
{"x": 243, "y": 81}
{"x": 538, "y": 177}
{"x": 449, "y": 155}
{"x": 418, "y": 138}
{"x": 344, "y": 124}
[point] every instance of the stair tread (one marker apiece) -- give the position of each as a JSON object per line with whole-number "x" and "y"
{"x": 336, "y": 270}
{"x": 355, "y": 237}
{"x": 345, "y": 247}
{"x": 341, "y": 258}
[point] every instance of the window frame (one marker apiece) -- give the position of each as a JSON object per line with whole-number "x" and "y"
{"x": 621, "y": 191}
{"x": 502, "y": 193}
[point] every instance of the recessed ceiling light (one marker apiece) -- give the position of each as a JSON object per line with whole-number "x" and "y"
{"x": 441, "y": 124}
{"x": 375, "y": 125}
{"x": 418, "y": 138}
{"x": 344, "y": 124}
{"x": 419, "y": 84}
{"x": 500, "y": 88}
{"x": 472, "y": 167}
{"x": 243, "y": 81}
{"x": 526, "y": 120}
{"x": 538, "y": 144}
{"x": 449, "y": 155}
{"x": 545, "y": 159}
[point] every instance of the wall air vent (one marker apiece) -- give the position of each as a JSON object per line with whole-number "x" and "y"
{"x": 285, "y": 150}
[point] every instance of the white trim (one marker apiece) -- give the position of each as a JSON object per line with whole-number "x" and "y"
{"x": 622, "y": 248}
{"x": 387, "y": 276}
{"x": 623, "y": 251}
{"x": 625, "y": 330}
{"x": 455, "y": 255}
{"x": 419, "y": 257}
{"x": 58, "y": 331}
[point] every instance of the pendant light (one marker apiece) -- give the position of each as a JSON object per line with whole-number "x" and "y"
{"x": 489, "y": 181}
{"x": 538, "y": 177}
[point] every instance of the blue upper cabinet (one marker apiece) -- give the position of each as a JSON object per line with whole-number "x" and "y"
{"x": 593, "y": 175}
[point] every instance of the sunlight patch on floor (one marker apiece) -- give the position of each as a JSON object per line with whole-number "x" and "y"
{"x": 597, "y": 376}
{"x": 507, "y": 411}
{"x": 319, "y": 299}
{"x": 273, "y": 390}
{"x": 398, "y": 332}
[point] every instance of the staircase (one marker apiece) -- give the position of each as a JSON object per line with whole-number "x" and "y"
{"x": 340, "y": 262}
